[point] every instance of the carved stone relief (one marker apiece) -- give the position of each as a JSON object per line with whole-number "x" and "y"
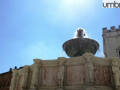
{"x": 71, "y": 74}
{"x": 116, "y": 71}
{"x": 61, "y": 71}
{"x": 13, "y": 80}
{"x": 25, "y": 76}
{"x": 35, "y": 72}
{"x": 89, "y": 68}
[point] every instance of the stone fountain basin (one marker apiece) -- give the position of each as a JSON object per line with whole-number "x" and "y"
{"x": 79, "y": 46}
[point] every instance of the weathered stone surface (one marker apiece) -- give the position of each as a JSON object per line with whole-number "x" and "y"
{"x": 19, "y": 82}
{"x": 49, "y": 76}
{"x": 14, "y": 79}
{"x": 101, "y": 75}
{"x": 79, "y": 46}
{"x": 75, "y": 75}
{"x": 31, "y": 74}
{"x": 111, "y": 42}
{"x": 116, "y": 72}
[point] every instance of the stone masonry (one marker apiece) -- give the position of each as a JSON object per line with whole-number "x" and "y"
{"x": 85, "y": 72}
{"x": 111, "y": 42}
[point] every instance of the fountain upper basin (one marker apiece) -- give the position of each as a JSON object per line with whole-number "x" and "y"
{"x": 78, "y": 46}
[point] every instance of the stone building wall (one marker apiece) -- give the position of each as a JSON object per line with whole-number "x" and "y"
{"x": 86, "y": 72}
{"x": 5, "y": 79}
{"x": 111, "y": 42}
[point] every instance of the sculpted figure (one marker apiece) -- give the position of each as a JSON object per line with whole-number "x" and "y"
{"x": 80, "y": 33}
{"x": 13, "y": 81}
{"x": 90, "y": 71}
{"x": 26, "y": 73}
{"x": 116, "y": 73}
{"x": 89, "y": 68}
{"x": 61, "y": 75}
{"x": 37, "y": 65}
{"x": 61, "y": 72}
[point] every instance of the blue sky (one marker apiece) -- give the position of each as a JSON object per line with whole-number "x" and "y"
{"x": 32, "y": 29}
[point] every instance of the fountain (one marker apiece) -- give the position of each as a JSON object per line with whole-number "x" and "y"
{"x": 82, "y": 72}
{"x": 78, "y": 46}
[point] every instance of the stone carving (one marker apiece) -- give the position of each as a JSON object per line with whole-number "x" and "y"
{"x": 37, "y": 67}
{"x": 61, "y": 75}
{"x": 89, "y": 68}
{"x": 80, "y": 33}
{"x": 61, "y": 71}
{"x": 116, "y": 71}
{"x": 26, "y": 73}
{"x": 13, "y": 81}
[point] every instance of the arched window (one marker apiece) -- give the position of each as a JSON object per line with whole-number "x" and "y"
{"x": 118, "y": 52}
{"x": 8, "y": 84}
{"x": 3, "y": 84}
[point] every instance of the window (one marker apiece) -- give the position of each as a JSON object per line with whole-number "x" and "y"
{"x": 119, "y": 53}
{"x": 8, "y": 84}
{"x": 10, "y": 74}
{"x": 0, "y": 85}
{"x": 4, "y": 85}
